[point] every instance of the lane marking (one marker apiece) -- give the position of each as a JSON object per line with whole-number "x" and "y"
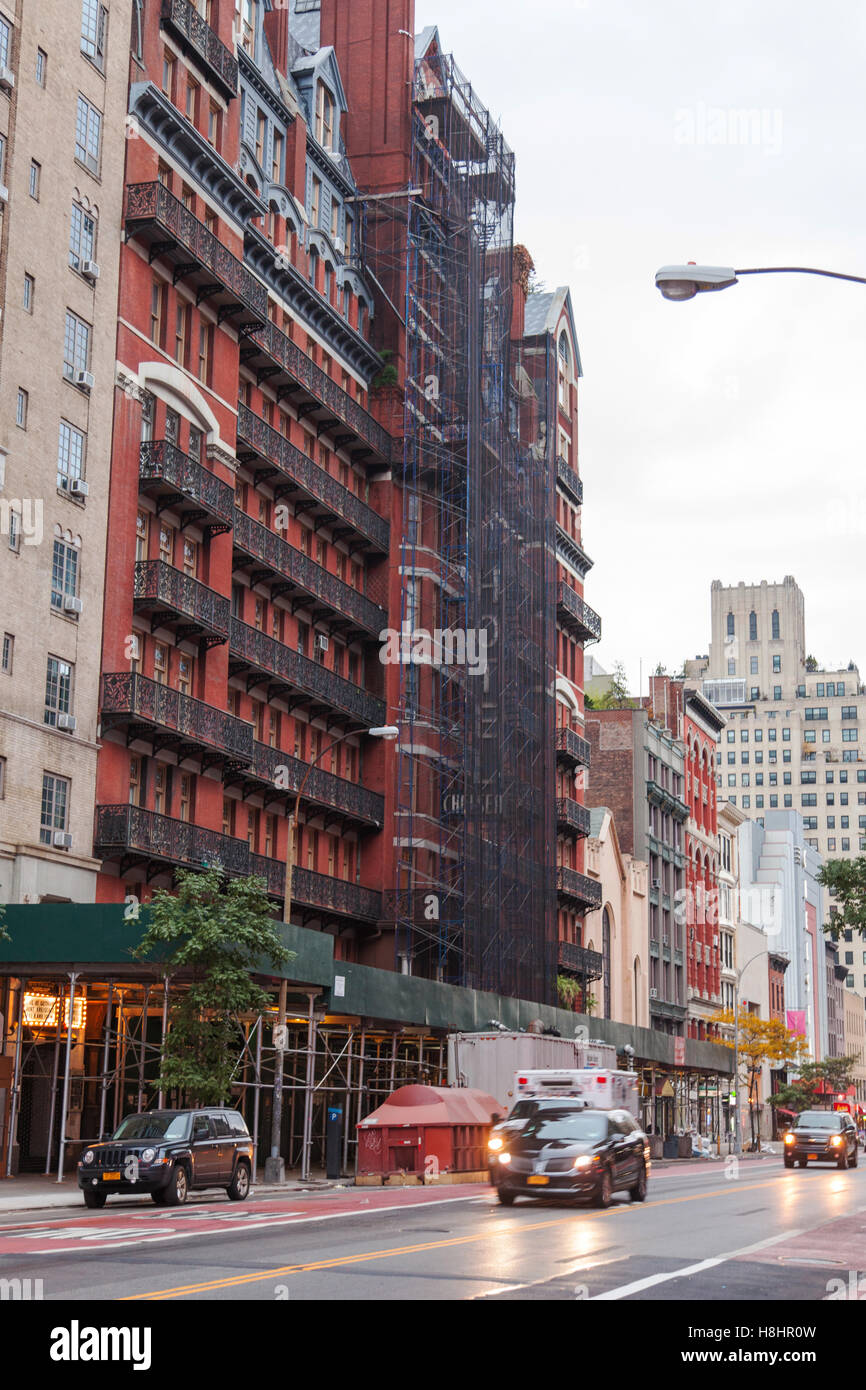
{"x": 653, "y": 1279}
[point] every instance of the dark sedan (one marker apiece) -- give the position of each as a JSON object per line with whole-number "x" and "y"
{"x": 568, "y": 1151}
{"x": 822, "y": 1136}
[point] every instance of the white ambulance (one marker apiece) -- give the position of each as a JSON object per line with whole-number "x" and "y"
{"x": 598, "y": 1087}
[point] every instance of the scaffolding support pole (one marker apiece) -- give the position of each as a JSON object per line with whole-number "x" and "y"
{"x": 16, "y": 1079}
{"x": 347, "y": 1112}
{"x": 256, "y": 1098}
{"x": 142, "y": 1044}
{"x": 65, "y": 1102}
{"x": 306, "y": 1143}
{"x": 161, "y": 1098}
{"x": 49, "y": 1148}
{"x": 106, "y": 1048}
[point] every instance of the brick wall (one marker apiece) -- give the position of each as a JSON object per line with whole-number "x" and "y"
{"x": 611, "y": 775}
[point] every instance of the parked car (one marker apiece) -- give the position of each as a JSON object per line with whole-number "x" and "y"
{"x": 169, "y": 1153}
{"x": 822, "y": 1136}
{"x": 567, "y": 1150}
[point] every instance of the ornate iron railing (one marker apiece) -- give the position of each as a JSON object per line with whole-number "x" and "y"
{"x": 134, "y": 697}
{"x": 570, "y": 813}
{"x": 320, "y": 891}
{"x": 160, "y": 461}
{"x": 158, "y": 585}
{"x": 262, "y": 544}
{"x": 152, "y": 202}
{"x": 588, "y": 964}
{"x": 132, "y": 830}
{"x": 264, "y": 653}
{"x": 575, "y": 610}
{"x": 302, "y": 369}
{"x": 574, "y": 747}
{"x": 195, "y": 31}
{"x": 578, "y": 887}
{"x": 312, "y": 479}
{"x": 569, "y": 478}
{"x": 323, "y": 788}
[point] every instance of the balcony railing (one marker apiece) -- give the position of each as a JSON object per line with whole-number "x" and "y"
{"x": 176, "y": 480}
{"x": 589, "y": 965}
{"x": 570, "y": 815}
{"x": 667, "y": 800}
{"x": 176, "y": 599}
{"x": 155, "y": 215}
{"x": 131, "y": 833}
{"x": 569, "y": 479}
{"x": 338, "y": 407}
{"x": 322, "y": 788}
{"x": 250, "y": 649}
{"x": 586, "y": 892}
{"x": 302, "y": 475}
{"x": 319, "y": 891}
{"x": 172, "y": 719}
{"x": 572, "y": 747}
{"x": 573, "y": 612}
{"x": 199, "y": 39}
{"x": 293, "y": 570}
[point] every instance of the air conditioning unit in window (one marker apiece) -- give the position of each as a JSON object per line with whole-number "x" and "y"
{"x": 67, "y": 722}
{"x": 654, "y": 994}
{"x": 7, "y": 79}
{"x": 71, "y": 604}
{"x": 84, "y": 380}
{"x": 62, "y": 839}
{"x": 90, "y": 270}
{"x": 339, "y": 246}
{"x": 4, "y": 193}
{"x": 656, "y": 883}
{"x": 322, "y": 642}
{"x": 78, "y": 488}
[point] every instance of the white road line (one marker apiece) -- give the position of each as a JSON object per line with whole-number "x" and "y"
{"x": 650, "y": 1282}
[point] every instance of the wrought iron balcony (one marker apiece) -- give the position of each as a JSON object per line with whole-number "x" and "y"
{"x": 266, "y": 659}
{"x": 340, "y": 799}
{"x": 132, "y": 836}
{"x": 159, "y": 220}
{"x": 295, "y": 374}
{"x": 572, "y": 748}
{"x": 166, "y": 718}
{"x": 273, "y": 456}
{"x": 289, "y": 571}
{"x": 571, "y": 816}
{"x": 568, "y": 479}
{"x": 175, "y": 480}
{"x": 577, "y": 960}
{"x": 667, "y": 800}
{"x": 585, "y": 892}
{"x": 174, "y": 599}
{"x": 319, "y": 894}
{"x": 198, "y": 39}
{"x": 574, "y": 613}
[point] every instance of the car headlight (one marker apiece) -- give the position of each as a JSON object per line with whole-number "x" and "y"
{"x": 789, "y": 1138}
{"x": 148, "y": 1155}
{"x": 837, "y": 1140}
{"x": 495, "y": 1143}
{"x": 505, "y": 1158}
{"x": 583, "y": 1161}
{"x": 88, "y": 1156}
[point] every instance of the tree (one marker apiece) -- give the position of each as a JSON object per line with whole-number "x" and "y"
{"x": 616, "y": 696}
{"x": 811, "y": 663}
{"x": 762, "y": 1041}
{"x": 214, "y": 935}
{"x": 815, "y": 1079}
{"x": 845, "y": 880}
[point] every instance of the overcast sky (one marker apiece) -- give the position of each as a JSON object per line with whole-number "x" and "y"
{"x": 723, "y": 437}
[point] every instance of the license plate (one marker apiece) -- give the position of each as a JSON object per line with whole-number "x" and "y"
{"x": 111, "y": 1177}
{"x": 536, "y": 1180}
{"x": 812, "y": 1156}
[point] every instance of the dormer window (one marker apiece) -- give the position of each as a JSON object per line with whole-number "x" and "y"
{"x": 244, "y": 25}
{"x": 324, "y": 116}
{"x": 564, "y": 355}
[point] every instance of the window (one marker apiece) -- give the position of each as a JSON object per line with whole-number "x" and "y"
{"x": 759, "y": 803}
{"x": 88, "y": 135}
{"x": 277, "y": 158}
{"x": 786, "y": 799}
{"x": 21, "y": 404}
{"x": 732, "y": 757}
{"x": 753, "y": 665}
{"x": 732, "y": 779}
{"x": 771, "y": 735}
{"x": 244, "y": 25}
{"x": 808, "y": 799}
{"x": 192, "y": 90}
{"x": 849, "y": 735}
{"x": 849, "y": 711}
{"x": 94, "y": 19}
{"x": 744, "y": 757}
{"x": 181, "y": 332}
{"x": 315, "y": 201}
{"x": 157, "y": 311}
{"x": 7, "y": 654}
{"x": 745, "y": 779}
{"x": 76, "y": 345}
{"x": 846, "y": 843}
{"x": 213, "y": 124}
{"x": 64, "y": 574}
{"x": 777, "y": 692}
{"x": 70, "y": 454}
{"x": 261, "y": 136}
{"x": 55, "y": 806}
{"x": 747, "y": 802}
{"x": 730, "y": 628}
{"x": 755, "y": 693}
{"x": 774, "y": 801}
{"x": 205, "y": 352}
{"x": 777, "y": 663}
{"x": 5, "y": 36}
{"x": 809, "y": 736}
{"x": 753, "y": 626}
{"x": 14, "y": 530}
{"x": 58, "y": 690}
{"x": 775, "y": 630}
{"x": 819, "y": 689}
{"x": 324, "y": 117}
{"x": 168, "y": 61}
{"x": 41, "y": 66}
{"x": 732, "y": 666}
{"x": 82, "y": 237}
{"x": 35, "y": 178}
{"x": 850, "y": 755}
{"x": 808, "y": 775}
{"x": 731, "y": 735}
{"x": 759, "y": 735}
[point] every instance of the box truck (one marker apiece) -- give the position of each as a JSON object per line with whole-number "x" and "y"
{"x": 490, "y": 1061}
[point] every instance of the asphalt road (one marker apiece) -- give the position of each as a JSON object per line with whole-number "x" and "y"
{"x": 707, "y": 1233}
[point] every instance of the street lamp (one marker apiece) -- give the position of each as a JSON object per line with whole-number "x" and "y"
{"x": 274, "y": 1165}
{"x": 678, "y": 282}
{"x": 738, "y": 1136}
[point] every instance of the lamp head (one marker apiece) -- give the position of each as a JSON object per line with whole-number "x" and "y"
{"x": 685, "y": 281}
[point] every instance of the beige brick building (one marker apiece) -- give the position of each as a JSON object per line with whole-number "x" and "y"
{"x": 63, "y": 81}
{"x": 855, "y": 1041}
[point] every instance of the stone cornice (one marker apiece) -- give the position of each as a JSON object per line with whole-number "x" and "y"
{"x": 250, "y": 74}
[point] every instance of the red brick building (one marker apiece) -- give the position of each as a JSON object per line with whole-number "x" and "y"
{"x": 702, "y": 725}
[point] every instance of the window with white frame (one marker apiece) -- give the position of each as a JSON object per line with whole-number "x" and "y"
{"x": 64, "y": 573}
{"x": 82, "y": 237}
{"x": 5, "y": 41}
{"x": 94, "y": 22}
{"x": 76, "y": 345}
{"x": 55, "y": 806}
{"x": 70, "y": 454}
{"x": 58, "y": 690}
{"x": 88, "y": 134}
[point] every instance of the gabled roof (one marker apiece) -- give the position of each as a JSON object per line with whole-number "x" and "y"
{"x": 543, "y": 312}
{"x": 323, "y": 58}
{"x": 424, "y": 40}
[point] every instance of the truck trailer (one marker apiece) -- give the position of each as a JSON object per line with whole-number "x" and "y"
{"x": 490, "y": 1061}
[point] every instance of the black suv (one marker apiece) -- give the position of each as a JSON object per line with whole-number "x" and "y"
{"x": 167, "y": 1153}
{"x": 822, "y": 1136}
{"x": 567, "y": 1150}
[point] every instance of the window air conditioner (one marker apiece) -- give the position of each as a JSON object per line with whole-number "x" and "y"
{"x": 654, "y": 994}
{"x": 339, "y": 246}
{"x": 657, "y": 883}
{"x": 7, "y": 79}
{"x": 90, "y": 270}
{"x": 84, "y": 380}
{"x": 321, "y": 642}
{"x": 62, "y": 839}
{"x": 78, "y": 488}
{"x": 67, "y": 722}
{"x": 4, "y": 193}
{"x": 71, "y": 604}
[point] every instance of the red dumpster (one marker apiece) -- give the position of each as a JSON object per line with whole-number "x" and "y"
{"x": 427, "y": 1134}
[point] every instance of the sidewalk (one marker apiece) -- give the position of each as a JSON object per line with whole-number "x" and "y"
{"x": 34, "y": 1191}
{"x": 660, "y": 1164}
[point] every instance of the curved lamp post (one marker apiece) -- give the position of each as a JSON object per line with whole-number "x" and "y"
{"x": 274, "y": 1165}
{"x": 678, "y": 282}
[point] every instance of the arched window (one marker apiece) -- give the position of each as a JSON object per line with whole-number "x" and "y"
{"x": 605, "y": 956}
{"x": 753, "y": 626}
{"x": 564, "y": 370}
{"x": 564, "y": 351}
{"x": 314, "y": 266}
{"x": 775, "y": 621}
{"x": 730, "y": 624}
